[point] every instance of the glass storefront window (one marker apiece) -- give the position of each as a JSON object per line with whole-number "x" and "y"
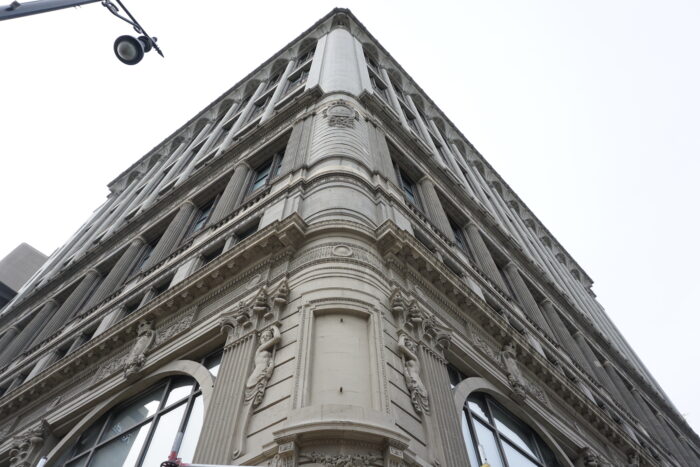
{"x": 141, "y": 431}
{"x": 496, "y": 437}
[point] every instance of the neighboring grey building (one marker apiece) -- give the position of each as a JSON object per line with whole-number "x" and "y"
{"x": 319, "y": 269}
{"x": 16, "y": 268}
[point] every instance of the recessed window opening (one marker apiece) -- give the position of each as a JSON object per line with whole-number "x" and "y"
{"x": 306, "y": 55}
{"x": 208, "y": 256}
{"x": 267, "y": 171}
{"x": 202, "y": 216}
{"x": 409, "y": 188}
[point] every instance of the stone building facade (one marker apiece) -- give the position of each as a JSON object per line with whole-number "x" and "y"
{"x": 319, "y": 269}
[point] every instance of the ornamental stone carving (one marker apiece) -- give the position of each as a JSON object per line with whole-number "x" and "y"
{"x": 145, "y": 335}
{"x": 264, "y": 366}
{"x": 345, "y": 460}
{"x": 26, "y": 449}
{"x": 515, "y": 377}
{"x": 340, "y": 115}
{"x": 411, "y": 373}
{"x": 588, "y": 458}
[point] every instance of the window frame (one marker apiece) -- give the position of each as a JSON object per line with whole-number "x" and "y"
{"x": 500, "y": 438}
{"x": 274, "y": 163}
{"x": 166, "y": 384}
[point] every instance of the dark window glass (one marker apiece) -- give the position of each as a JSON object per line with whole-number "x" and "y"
{"x": 459, "y": 237}
{"x": 494, "y": 434}
{"x": 202, "y": 216}
{"x": 305, "y": 56}
{"x": 371, "y": 63}
{"x": 297, "y": 79}
{"x": 267, "y": 171}
{"x": 379, "y": 87}
{"x": 258, "y": 108}
{"x": 273, "y": 80}
{"x": 242, "y": 235}
{"x": 210, "y": 255}
{"x": 409, "y": 188}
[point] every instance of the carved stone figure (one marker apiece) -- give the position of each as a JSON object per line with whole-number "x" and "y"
{"x": 282, "y": 294}
{"x": 26, "y": 449}
{"x": 515, "y": 377}
{"x": 633, "y": 459}
{"x": 411, "y": 373}
{"x": 264, "y": 365}
{"x": 145, "y": 336}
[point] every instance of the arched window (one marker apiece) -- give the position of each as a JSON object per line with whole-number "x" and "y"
{"x": 496, "y": 437}
{"x": 141, "y": 430}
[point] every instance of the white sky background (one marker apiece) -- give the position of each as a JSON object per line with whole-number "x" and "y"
{"x": 589, "y": 110}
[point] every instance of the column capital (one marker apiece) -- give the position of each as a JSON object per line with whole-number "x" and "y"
{"x": 139, "y": 239}
{"x": 510, "y": 266}
{"x": 242, "y": 163}
{"x": 188, "y": 202}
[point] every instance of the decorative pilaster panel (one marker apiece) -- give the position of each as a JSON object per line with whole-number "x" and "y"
{"x": 229, "y": 199}
{"x": 117, "y": 274}
{"x": 20, "y": 341}
{"x": 433, "y": 207}
{"x": 61, "y": 315}
{"x": 172, "y": 235}
{"x": 380, "y": 153}
{"x": 525, "y": 297}
{"x": 483, "y": 256}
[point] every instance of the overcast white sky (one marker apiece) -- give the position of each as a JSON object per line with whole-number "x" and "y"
{"x": 589, "y": 110}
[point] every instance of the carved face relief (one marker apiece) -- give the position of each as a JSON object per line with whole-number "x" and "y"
{"x": 410, "y": 345}
{"x": 266, "y": 335}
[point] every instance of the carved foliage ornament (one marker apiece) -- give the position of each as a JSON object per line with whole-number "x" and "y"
{"x": 26, "y": 448}
{"x": 345, "y": 460}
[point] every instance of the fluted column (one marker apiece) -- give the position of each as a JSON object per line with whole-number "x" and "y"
{"x": 627, "y": 398}
{"x": 281, "y": 85}
{"x": 297, "y": 146}
{"x": 12, "y": 348}
{"x": 394, "y": 98}
{"x": 232, "y": 193}
{"x": 597, "y": 367}
{"x": 442, "y": 408}
{"x": 433, "y": 207}
{"x": 563, "y": 336}
{"x": 172, "y": 235}
{"x": 242, "y": 119}
{"x": 525, "y": 297}
{"x": 483, "y": 256}
{"x": 225, "y": 408}
{"x": 9, "y": 335}
{"x": 680, "y": 451}
{"x": 61, "y": 315}
{"x": 380, "y": 153}
{"x": 117, "y": 274}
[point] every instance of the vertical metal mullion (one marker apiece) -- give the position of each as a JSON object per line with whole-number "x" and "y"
{"x": 499, "y": 442}
{"x": 472, "y": 432}
{"x": 154, "y": 424}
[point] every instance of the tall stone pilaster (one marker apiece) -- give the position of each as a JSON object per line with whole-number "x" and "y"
{"x": 217, "y": 439}
{"x": 26, "y": 335}
{"x": 232, "y": 193}
{"x": 117, "y": 274}
{"x": 172, "y": 235}
{"x": 483, "y": 256}
{"x": 60, "y": 317}
{"x": 525, "y": 297}
{"x": 433, "y": 207}
{"x": 597, "y": 367}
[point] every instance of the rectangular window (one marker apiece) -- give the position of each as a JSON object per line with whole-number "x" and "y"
{"x": 305, "y": 56}
{"x": 202, "y": 216}
{"x": 266, "y": 171}
{"x": 409, "y": 188}
{"x": 371, "y": 63}
{"x": 297, "y": 79}
{"x": 410, "y": 118}
{"x": 208, "y": 256}
{"x": 379, "y": 87}
{"x": 259, "y": 107}
{"x": 273, "y": 80}
{"x": 459, "y": 237}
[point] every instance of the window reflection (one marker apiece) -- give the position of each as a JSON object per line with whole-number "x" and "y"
{"x": 141, "y": 432}
{"x": 494, "y": 436}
